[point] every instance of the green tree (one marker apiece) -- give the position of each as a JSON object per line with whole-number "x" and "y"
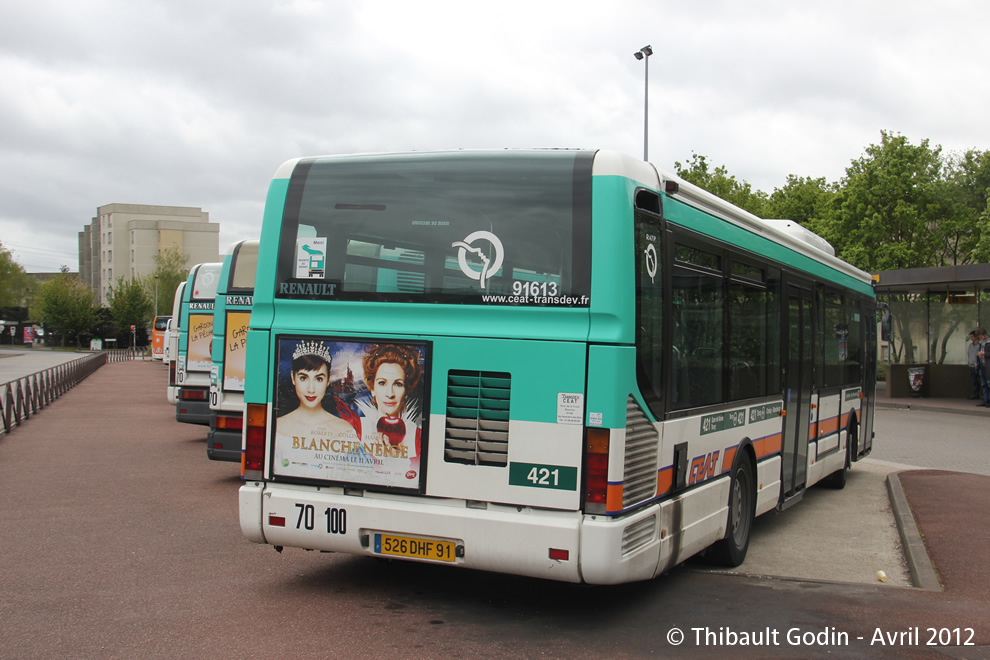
{"x": 65, "y": 305}
{"x": 719, "y": 183}
{"x": 171, "y": 269}
{"x": 15, "y": 285}
{"x": 890, "y": 207}
{"x": 804, "y": 200}
{"x": 129, "y": 305}
{"x": 966, "y": 234}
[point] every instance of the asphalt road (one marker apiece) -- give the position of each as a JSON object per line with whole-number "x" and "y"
{"x": 120, "y": 539}
{"x": 942, "y": 441}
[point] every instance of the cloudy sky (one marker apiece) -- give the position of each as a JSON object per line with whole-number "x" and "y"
{"x": 197, "y": 102}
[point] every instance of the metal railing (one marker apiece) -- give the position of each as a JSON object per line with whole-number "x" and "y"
{"x": 123, "y": 354}
{"x": 25, "y": 396}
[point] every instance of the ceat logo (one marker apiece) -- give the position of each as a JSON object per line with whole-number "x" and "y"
{"x": 491, "y": 265}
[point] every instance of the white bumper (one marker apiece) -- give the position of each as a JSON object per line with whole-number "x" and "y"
{"x": 504, "y": 539}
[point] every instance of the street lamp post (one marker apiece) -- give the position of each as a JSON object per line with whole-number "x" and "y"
{"x": 644, "y": 54}
{"x": 156, "y": 295}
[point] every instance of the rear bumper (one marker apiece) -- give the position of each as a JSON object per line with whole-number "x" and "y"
{"x": 192, "y": 412}
{"x": 503, "y": 539}
{"x": 222, "y": 444}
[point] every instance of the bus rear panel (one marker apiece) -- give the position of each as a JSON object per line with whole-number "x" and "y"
{"x": 231, "y": 315}
{"x": 193, "y": 358}
{"x": 446, "y": 364}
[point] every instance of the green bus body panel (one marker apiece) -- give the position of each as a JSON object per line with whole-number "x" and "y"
{"x": 611, "y": 378}
{"x": 262, "y": 312}
{"x": 217, "y": 348}
{"x": 183, "y": 343}
{"x": 682, "y": 214}
{"x": 613, "y": 286}
{"x": 444, "y": 320}
{"x": 258, "y": 385}
{"x": 540, "y": 370}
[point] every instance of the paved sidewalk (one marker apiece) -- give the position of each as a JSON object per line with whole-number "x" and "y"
{"x": 950, "y": 509}
{"x": 956, "y": 406}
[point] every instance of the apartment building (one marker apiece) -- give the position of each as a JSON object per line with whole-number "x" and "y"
{"x": 123, "y": 240}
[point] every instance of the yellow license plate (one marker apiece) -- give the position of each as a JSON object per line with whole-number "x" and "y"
{"x": 414, "y": 548}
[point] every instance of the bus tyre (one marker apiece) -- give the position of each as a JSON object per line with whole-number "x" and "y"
{"x": 731, "y": 550}
{"x": 837, "y": 480}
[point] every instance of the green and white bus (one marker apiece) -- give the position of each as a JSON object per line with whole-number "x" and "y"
{"x": 564, "y": 364}
{"x": 231, "y": 314}
{"x": 193, "y": 358}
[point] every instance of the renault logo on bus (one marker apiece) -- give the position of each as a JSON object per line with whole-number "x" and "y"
{"x": 491, "y": 265}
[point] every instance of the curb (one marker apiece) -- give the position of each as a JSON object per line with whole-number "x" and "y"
{"x": 919, "y": 564}
{"x": 929, "y": 407}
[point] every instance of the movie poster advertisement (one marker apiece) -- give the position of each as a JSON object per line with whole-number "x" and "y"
{"x": 350, "y": 411}
{"x": 235, "y": 348}
{"x": 198, "y": 353}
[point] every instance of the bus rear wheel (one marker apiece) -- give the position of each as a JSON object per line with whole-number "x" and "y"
{"x": 731, "y": 550}
{"x": 837, "y": 480}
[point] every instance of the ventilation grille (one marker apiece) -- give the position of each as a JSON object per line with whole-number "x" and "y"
{"x": 639, "y": 476}
{"x": 477, "y": 428}
{"x": 638, "y": 534}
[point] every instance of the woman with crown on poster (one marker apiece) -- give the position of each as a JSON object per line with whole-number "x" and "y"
{"x": 310, "y": 375}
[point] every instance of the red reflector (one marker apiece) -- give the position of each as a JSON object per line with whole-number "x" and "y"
{"x": 276, "y": 521}
{"x": 218, "y": 445}
{"x": 560, "y": 555}
{"x": 254, "y": 440}
{"x": 231, "y": 423}
{"x": 193, "y": 395}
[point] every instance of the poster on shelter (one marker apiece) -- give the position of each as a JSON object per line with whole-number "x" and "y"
{"x": 350, "y": 411}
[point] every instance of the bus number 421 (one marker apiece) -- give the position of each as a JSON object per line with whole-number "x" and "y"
{"x": 542, "y": 476}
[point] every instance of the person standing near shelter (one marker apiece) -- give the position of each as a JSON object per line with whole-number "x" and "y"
{"x": 984, "y": 363}
{"x": 973, "y": 360}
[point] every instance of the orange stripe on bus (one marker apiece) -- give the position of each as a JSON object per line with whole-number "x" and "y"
{"x": 827, "y": 426}
{"x": 728, "y": 456}
{"x": 613, "y": 498}
{"x": 665, "y": 480}
{"x": 768, "y": 445}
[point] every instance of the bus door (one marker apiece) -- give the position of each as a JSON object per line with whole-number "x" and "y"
{"x": 798, "y": 343}
{"x": 869, "y": 376}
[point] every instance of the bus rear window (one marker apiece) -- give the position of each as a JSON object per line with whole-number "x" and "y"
{"x": 509, "y": 228}
{"x": 206, "y": 281}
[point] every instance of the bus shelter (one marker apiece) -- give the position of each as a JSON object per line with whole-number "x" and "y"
{"x": 926, "y": 317}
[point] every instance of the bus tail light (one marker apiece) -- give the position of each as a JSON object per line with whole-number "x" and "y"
{"x": 596, "y": 470}
{"x": 189, "y": 394}
{"x": 171, "y": 373}
{"x": 253, "y": 458}
{"x": 229, "y": 423}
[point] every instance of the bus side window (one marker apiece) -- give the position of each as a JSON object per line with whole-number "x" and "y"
{"x": 698, "y": 323}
